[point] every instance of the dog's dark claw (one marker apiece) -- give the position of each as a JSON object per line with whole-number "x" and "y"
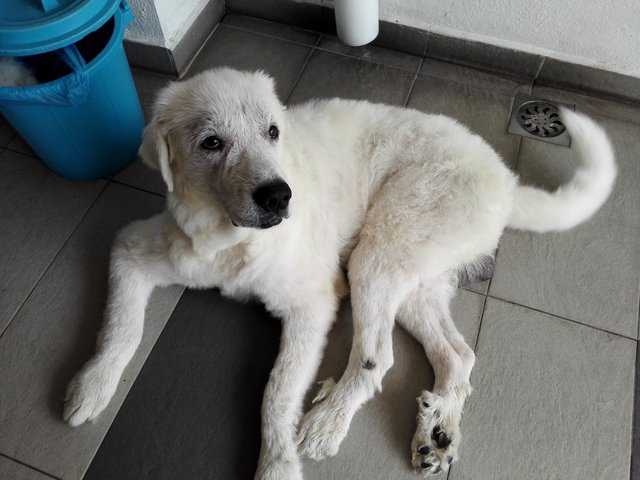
{"x": 440, "y": 437}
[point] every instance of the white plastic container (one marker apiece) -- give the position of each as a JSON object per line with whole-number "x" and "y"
{"x": 356, "y": 21}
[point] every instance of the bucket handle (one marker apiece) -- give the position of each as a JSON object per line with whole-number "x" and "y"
{"x": 72, "y": 89}
{"x": 48, "y": 5}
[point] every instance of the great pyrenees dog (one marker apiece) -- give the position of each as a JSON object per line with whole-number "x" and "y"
{"x": 277, "y": 203}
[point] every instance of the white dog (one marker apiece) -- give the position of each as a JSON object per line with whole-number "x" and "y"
{"x": 271, "y": 202}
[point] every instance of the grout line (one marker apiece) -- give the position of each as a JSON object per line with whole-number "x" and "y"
{"x": 135, "y": 187}
{"x": 265, "y": 20}
{"x": 44, "y": 272}
{"x": 413, "y": 83}
{"x": 29, "y": 466}
{"x": 193, "y": 59}
{"x": 484, "y": 307}
{"x": 563, "y": 318}
{"x": 371, "y": 61}
{"x": 426, "y": 45}
{"x": 635, "y": 422}
{"x": 587, "y": 92}
{"x": 14, "y": 150}
{"x": 276, "y": 37}
{"x": 638, "y": 322}
{"x": 516, "y": 163}
{"x": 304, "y": 65}
{"x": 535, "y": 77}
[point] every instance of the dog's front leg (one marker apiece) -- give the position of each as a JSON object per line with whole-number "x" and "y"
{"x": 136, "y": 268}
{"x": 303, "y": 339}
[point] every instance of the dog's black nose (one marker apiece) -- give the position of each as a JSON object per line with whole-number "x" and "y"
{"x": 273, "y": 197}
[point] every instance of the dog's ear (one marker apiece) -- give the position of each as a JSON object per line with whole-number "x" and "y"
{"x": 266, "y": 80}
{"x": 156, "y": 153}
{"x": 156, "y": 149}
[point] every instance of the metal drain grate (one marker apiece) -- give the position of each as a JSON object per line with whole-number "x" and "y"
{"x": 537, "y": 118}
{"x": 540, "y": 119}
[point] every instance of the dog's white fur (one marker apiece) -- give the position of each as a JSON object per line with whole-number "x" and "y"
{"x": 404, "y": 199}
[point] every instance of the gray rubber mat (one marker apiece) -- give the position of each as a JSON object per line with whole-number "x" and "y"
{"x": 194, "y": 410}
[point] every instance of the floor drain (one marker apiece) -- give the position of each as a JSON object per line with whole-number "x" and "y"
{"x": 537, "y": 118}
{"x": 540, "y": 119}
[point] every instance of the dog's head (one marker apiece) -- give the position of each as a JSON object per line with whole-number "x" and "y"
{"x": 217, "y": 138}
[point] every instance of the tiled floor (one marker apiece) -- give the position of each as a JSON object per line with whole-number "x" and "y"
{"x": 555, "y": 330}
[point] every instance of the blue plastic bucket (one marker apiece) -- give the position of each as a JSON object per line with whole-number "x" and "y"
{"x": 87, "y": 124}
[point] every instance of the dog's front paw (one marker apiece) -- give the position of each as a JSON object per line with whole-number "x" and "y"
{"x": 88, "y": 394}
{"x": 322, "y": 430}
{"x": 279, "y": 469}
{"x": 435, "y": 443}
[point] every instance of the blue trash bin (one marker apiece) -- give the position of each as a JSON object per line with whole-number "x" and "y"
{"x": 88, "y": 123}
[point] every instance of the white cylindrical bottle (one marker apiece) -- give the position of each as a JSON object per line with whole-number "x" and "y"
{"x": 356, "y": 21}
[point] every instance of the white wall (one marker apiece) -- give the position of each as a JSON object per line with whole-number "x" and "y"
{"x": 163, "y": 22}
{"x": 146, "y": 27}
{"x": 600, "y": 33}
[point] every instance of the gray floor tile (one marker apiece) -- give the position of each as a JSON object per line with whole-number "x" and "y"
{"x": 635, "y": 456}
{"x": 272, "y": 29}
{"x": 137, "y": 174}
{"x": 10, "y": 470}
{"x": 204, "y": 379}
{"x": 331, "y": 75}
{"x": 39, "y": 210}
{"x": 17, "y": 144}
{"x": 481, "y": 287}
{"x": 552, "y": 400}
{"x": 142, "y": 176}
{"x": 480, "y": 101}
{"x": 54, "y": 334}
{"x": 373, "y": 54}
{"x": 591, "y": 273}
{"x": 6, "y": 132}
{"x": 249, "y": 51}
{"x": 378, "y": 445}
{"x": 148, "y": 84}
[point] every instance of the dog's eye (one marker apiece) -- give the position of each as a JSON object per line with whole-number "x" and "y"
{"x": 211, "y": 143}
{"x": 274, "y": 132}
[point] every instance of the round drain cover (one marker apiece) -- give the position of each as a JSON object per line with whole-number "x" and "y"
{"x": 540, "y": 119}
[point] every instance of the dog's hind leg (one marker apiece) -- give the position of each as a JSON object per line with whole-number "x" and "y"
{"x": 378, "y": 285}
{"x": 424, "y": 224}
{"x": 425, "y": 315}
{"x": 138, "y": 264}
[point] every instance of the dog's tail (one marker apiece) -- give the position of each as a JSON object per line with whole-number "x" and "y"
{"x": 577, "y": 200}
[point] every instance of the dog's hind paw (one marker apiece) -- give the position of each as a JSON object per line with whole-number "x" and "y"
{"x": 435, "y": 443}
{"x": 326, "y": 388}
{"x": 288, "y": 469}
{"x": 88, "y": 394}
{"x": 322, "y": 430}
